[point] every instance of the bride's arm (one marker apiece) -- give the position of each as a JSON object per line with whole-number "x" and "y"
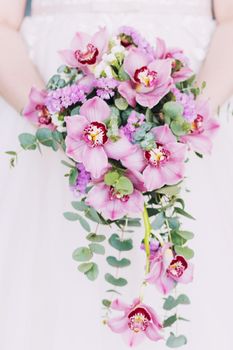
{"x": 217, "y": 69}
{"x": 17, "y": 73}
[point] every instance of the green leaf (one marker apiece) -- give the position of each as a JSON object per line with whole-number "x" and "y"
{"x": 124, "y": 185}
{"x": 118, "y": 263}
{"x": 84, "y": 224}
{"x": 93, "y": 273}
{"x": 97, "y": 248}
{"x": 67, "y": 164}
{"x": 158, "y": 221}
{"x": 173, "y": 223}
{"x": 111, "y": 177}
{"x": 172, "y": 109}
{"x": 199, "y": 154}
{"x": 176, "y": 342}
{"x": 183, "y": 300}
{"x": 73, "y": 176}
{"x": 11, "y": 153}
{"x": 184, "y": 213}
{"x": 169, "y": 321}
{"x": 45, "y": 137}
{"x": 93, "y": 237}
{"x": 27, "y": 141}
{"x": 82, "y": 254}
{"x": 113, "y": 291}
{"x": 170, "y": 302}
{"x": 173, "y": 190}
{"x": 185, "y": 234}
{"x": 92, "y": 214}
{"x": 81, "y": 206}
{"x": 107, "y": 303}
{"x": 121, "y": 245}
{"x": 130, "y": 222}
{"x": 122, "y": 74}
{"x": 120, "y": 282}
{"x": 177, "y": 239}
{"x": 121, "y": 103}
{"x": 84, "y": 267}
{"x": 71, "y": 216}
{"x": 178, "y": 128}
{"x": 75, "y": 111}
{"x": 186, "y": 252}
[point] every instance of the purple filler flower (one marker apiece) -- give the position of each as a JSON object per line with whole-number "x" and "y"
{"x": 105, "y": 87}
{"x": 82, "y": 181}
{"x": 134, "y": 121}
{"x": 188, "y": 102}
{"x": 137, "y": 40}
{"x": 65, "y": 97}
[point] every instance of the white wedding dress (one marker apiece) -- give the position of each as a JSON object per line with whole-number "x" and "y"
{"x": 45, "y": 303}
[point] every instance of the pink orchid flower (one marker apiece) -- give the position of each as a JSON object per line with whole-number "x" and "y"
{"x": 150, "y": 80}
{"x": 86, "y": 50}
{"x": 163, "y": 164}
{"x": 204, "y": 128}
{"x": 167, "y": 270}
{"x": 112, "y": 204}
{"x": 138, "y": 322}
{"x": 87, "y": 141}
{"x": 176, "y": 54}
{"x": 36, "y": 111}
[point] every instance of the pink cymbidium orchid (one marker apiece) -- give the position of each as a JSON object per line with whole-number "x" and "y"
{"x": 178, "y": 73}
{"x": 161, "y": 165}
{"x": 112, "y": 204}
{"x": 87, "y": 141}
{"x": 86, "y": 50}
{"x": 203, "y": 129}
{"x": 150, "y": 80}
{"x": 36, "y": 110}
{"x": 138, "y": 322}
{"x": 167, "y": 269}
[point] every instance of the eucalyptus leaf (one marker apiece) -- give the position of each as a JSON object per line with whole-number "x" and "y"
{"x": 73, "y": 176}
{"x": 71, "y": 216}
{"x": 170, "y": 302}
{"x": 111, "y": 177}
{"x": 173, "y": 109}
{"x": 106, "y": 303}
{"x": 173, "y": 190}
{"x": 27, "y": 141}
{"x": 121, "y": 245}
{"x": 158, "y": 221}
{"x": 120, "y": 282}
{"x": 170, "y": 321}
{"x": 45, "y": 137}
{"x": 82, "y": 254}
{"x": 121, "y": 103}
{"x": 97, "y": 248}
{"x": 93, "y": 237}
{"x": 176, "y": 342}
{"x": 183, "y": 212}
{"x": 124, "y": 185}
{"x": 81, "y": 206}
{"x": 186, "y": 252}
{"x": 84, "y": 267}
{"x": 93, "y": 273}
{"x": 185, "y": 234}
{"x": 117, "y": 263}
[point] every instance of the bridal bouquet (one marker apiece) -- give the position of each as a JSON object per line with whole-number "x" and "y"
{"x": 127, "y": 114}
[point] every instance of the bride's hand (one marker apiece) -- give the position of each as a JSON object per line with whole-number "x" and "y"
{"x": 17, "y": 73}
{"x": 217, "y": 69}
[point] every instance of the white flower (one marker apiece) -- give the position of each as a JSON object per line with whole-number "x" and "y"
{"x": 58, "y": 122}
{"x": 108, "y": 72}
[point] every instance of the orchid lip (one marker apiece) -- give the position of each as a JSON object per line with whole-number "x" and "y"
{"x": 157, "y": 156}
{"x": 177, "y": 267}
{"x": 145, "y": 77}
{"x": 95, "y": 134}
{"x": 197, "y": 124}
{"x": 114, "y": 194}
{"x": 139, "y": 319}
{"x": 43, "y": 115}
{"x": 89, "y": 56}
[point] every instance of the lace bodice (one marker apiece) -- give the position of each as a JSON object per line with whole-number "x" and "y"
{"x": 191, "y": 7}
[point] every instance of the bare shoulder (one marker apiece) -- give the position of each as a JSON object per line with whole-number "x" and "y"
{"x": 223, "y": 10}
{"x": 12, "y": 12}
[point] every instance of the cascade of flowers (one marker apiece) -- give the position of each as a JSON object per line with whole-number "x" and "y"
{"x": 127, "y": 114}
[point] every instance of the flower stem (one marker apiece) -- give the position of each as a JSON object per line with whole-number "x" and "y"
{"x": 147, "y": 226}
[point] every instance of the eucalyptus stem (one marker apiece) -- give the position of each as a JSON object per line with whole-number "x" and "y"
{"x": 147, "y": 226}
